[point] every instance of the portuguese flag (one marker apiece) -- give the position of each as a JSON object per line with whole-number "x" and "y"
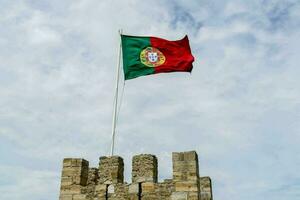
{"x": 151, "y": 55}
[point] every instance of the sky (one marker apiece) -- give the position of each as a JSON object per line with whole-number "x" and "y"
{"x": 239, "y": 108}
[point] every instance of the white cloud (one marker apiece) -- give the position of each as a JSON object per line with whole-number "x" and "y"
{"x": 239, "y": 108}
{"x": 19, "y": 182}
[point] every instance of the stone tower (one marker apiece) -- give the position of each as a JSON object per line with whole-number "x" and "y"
{"x": 79, "y": 182}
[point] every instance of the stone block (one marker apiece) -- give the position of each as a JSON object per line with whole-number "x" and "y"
{"x": 74, "y": 172}
{"x": 70, "y": 172}
{"x": 100, "y": 191}
{"x": 65, "y": 197}
{"x": 100, "y": 198}
{"x": 190, "y": 156}
{"x": 79, "y": 197}
{"x": 93, "y": 176}
{"x": 179, "y": 196}
{"x": 100, "y": 188}
{"x": 148, "y": 187}
{"x": 185, "y": 166}
{"x": 74, "y": 162}
{"x": 205, "y": 196}
{"x": 111, "y": 170}
{"x": 206, "y": 188}
{"x": 133, "y": 188}
{"x": 133, "y": 197}
{"x": 193, "y": 195}
{"x": 67, "y": 162}
{"x": 65, "y": 181}
{"x": 186, "y": 186}
{"x": 144, "y": 168}
{"x": 71, "y": 189}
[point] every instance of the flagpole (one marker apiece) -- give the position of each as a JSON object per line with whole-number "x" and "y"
{"x": 114, "y": 119}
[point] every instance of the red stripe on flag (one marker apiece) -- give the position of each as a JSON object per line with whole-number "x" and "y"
{"x": 178, "y": 55}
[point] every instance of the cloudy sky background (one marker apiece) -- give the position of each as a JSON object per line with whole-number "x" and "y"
{"x": 239, "y": 109}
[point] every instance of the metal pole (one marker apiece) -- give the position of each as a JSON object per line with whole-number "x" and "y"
{"x": 113, "y": 129}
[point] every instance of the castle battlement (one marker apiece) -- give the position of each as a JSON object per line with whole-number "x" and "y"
{"x": 80, "y": 182}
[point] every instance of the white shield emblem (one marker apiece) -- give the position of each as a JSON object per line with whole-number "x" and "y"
{"x": 152, "y": 56}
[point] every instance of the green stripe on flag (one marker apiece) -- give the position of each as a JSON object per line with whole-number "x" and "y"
{"x": 131, "y": 48}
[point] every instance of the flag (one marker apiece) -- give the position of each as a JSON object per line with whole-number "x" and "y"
{"x": 151, "y": 55}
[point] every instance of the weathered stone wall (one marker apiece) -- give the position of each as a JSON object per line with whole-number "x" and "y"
{"x": 186, "y": 175}
{"x": 144, "y": 168}
{"x": 111, "y": 170}
{"x": 79, "y": 182}
{"x": 205, "y": 188}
